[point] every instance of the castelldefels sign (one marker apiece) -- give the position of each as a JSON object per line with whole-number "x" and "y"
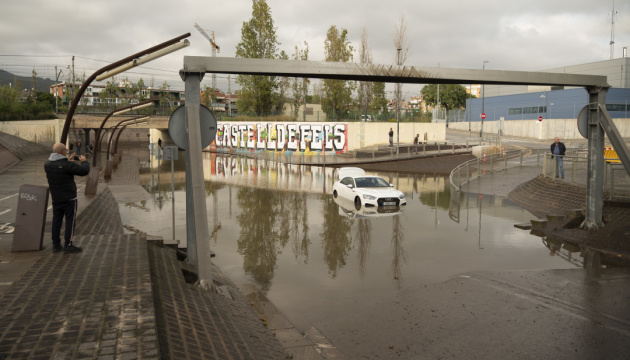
{"x": 298, "y": 137}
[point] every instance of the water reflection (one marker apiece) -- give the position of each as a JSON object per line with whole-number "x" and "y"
{"x": 398, "y": 251}
{"x": 268, "y": 220}
{"x": 268, "y": 215}
{"x": 335, "y": 235}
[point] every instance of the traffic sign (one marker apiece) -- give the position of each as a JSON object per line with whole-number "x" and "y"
{"x": 540, "y": 118}
{"x": 582, "y": 122}
{"x": 483, "y": 116}
{"x": 179, "y": 134}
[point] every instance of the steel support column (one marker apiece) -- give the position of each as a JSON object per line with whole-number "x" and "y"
{"x": 199, "y": 244}
{"x": 595, "y": 160}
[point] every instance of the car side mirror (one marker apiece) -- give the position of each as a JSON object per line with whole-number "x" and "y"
{"x": 391, "y": 185}
{"x": 350, "y": 186}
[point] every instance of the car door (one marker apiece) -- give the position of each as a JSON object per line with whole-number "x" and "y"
{"x": 345, "y": 191}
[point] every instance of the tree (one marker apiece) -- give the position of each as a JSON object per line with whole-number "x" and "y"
{"x": 402, "y": 51}
{"x": 208, "y": 97}
{"x": 379, "y": 101}
{"x": 365, "y": 87}
{"x": 258, "y": 40}
{"x": 165, "y": 100}
{"x": 140, "y": 86}
{"x": 337, "y": 93}
{"x": 46, "y": 98}
{"x": 299, "y": 86}
{"x": 109, "y": 94}
{"x": 280, "y": 97}
{"x": 452, "y": 96}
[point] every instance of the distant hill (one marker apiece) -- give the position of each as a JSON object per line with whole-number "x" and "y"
{"x": 42, "y": 85}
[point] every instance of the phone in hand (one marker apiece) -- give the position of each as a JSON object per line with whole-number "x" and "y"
{"x": 75, "y": 158}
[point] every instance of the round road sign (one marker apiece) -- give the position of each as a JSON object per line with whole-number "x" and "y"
{"x": 178, "y": 132}
{"x": 540, "y": 118}
{"x": 582, "y": 122}
{"x": 483, "y": 116}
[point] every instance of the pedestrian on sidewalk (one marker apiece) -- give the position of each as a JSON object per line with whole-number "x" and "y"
{"x": 160, "y": 143}
{"x": 79, "y": 145}
{"x": 415, "y": 142}
{"x": 391, "y": 137}
{"x": 60, "y": 173}
{"x": 558, "y": 150}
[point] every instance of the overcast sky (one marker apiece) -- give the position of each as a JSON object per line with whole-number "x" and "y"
{"x": 512, "y": 35}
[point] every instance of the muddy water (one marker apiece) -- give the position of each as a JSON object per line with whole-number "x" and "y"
{"x": 277, "y": 226}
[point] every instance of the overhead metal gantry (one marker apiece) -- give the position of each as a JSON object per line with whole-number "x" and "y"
{"x": 598, "y": 118}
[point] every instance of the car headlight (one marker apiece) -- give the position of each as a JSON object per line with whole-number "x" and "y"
{"x": 369, "y": 197}
{"x": 401, "y": 196}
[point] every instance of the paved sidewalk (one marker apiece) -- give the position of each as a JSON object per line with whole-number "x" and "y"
{"x": 123, "y": 297}
{"x": 96, "y": 304}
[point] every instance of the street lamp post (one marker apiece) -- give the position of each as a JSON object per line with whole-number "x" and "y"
{"x": 57, "y": 89}
{"x": 127, "y": 122}
{"x": 398, "y": 107}
{"x": 120, "y": 66}
{"x": 483, "y": 99}
{"x": 142, "y": 105}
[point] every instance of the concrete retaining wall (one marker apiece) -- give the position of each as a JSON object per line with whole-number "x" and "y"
{"x": 44, "y": 132}
{"x": 547, "y": 129}
{"x": 367, "y": 134}
{"x": 360, "y": 134}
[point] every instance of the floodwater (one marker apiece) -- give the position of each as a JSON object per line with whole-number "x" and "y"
{"x": 278, "y": 226}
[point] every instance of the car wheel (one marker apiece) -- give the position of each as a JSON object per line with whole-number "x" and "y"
{"x": 335, "y": 193}
{"x": 357, "y": 203}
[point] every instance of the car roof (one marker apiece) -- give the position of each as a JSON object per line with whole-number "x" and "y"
{"x": 350, "y": 171}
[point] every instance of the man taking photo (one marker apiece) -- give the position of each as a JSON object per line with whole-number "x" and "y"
{"x": 60, "y": 172}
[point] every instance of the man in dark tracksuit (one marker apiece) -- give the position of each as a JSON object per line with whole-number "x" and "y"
{"x": 60, "y": 173}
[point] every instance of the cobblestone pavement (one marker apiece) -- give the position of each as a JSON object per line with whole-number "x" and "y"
{"x": 99, "y": 304}
{"x": 194, "y": 323}
{"x": 96, "y": 304}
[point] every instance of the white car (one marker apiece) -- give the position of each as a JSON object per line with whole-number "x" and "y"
{"x": 366, "y": 190}
{"x": 346, "y": 208}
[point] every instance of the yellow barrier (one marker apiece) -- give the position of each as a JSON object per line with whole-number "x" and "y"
{"x": 610, "y": 155}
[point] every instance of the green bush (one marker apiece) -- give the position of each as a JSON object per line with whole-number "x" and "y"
{"x": 13, "y": 107}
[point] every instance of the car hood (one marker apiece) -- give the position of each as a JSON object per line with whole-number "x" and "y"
{"x": 380, "y": 191}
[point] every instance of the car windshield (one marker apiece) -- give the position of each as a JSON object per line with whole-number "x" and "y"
{"x": 364, "y": 182}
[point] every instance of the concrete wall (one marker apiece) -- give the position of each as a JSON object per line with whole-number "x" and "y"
{"x": 547, "y": 129}
{"x": 360, "y": 134}
{"x": 367, "y": 134}
{"x": 44, "y": 132}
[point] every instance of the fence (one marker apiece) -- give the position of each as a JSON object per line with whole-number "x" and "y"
{"x": 372, "y": 155}
{"x": 484, "y": 165}
{"x": 616, "y": 179}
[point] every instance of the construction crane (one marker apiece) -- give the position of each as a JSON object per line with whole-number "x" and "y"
{"x": 215, "y": 49}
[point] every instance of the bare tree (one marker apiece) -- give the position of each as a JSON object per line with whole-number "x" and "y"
{"x": 299, "y": 85}
{"x": 365, "y": 58}
{"x": 402, "y": 51}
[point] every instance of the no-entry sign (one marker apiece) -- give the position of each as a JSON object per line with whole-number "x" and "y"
{"x": 540, "y": 118}
{"x": 483, "y": 116}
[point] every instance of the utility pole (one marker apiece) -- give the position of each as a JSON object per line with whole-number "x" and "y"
{"x": 398, "y": 107}
{"x": 612, "y": 32}
{"x": 469, "y": 109}
{"x": 33, "y": 85}
{"x": 229, "y": 96}
{"x": 483, "y": 99}
{"x": 57, "y": 89}
{"x": 73, "y": 89}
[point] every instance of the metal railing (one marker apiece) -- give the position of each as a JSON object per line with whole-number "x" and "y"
{"x": 484, "y": 165}
{"x": 368, "y": 155}
{"x": 616, "y": 179}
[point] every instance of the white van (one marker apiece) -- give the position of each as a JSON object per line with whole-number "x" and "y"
{"x": 369, "y": 118}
